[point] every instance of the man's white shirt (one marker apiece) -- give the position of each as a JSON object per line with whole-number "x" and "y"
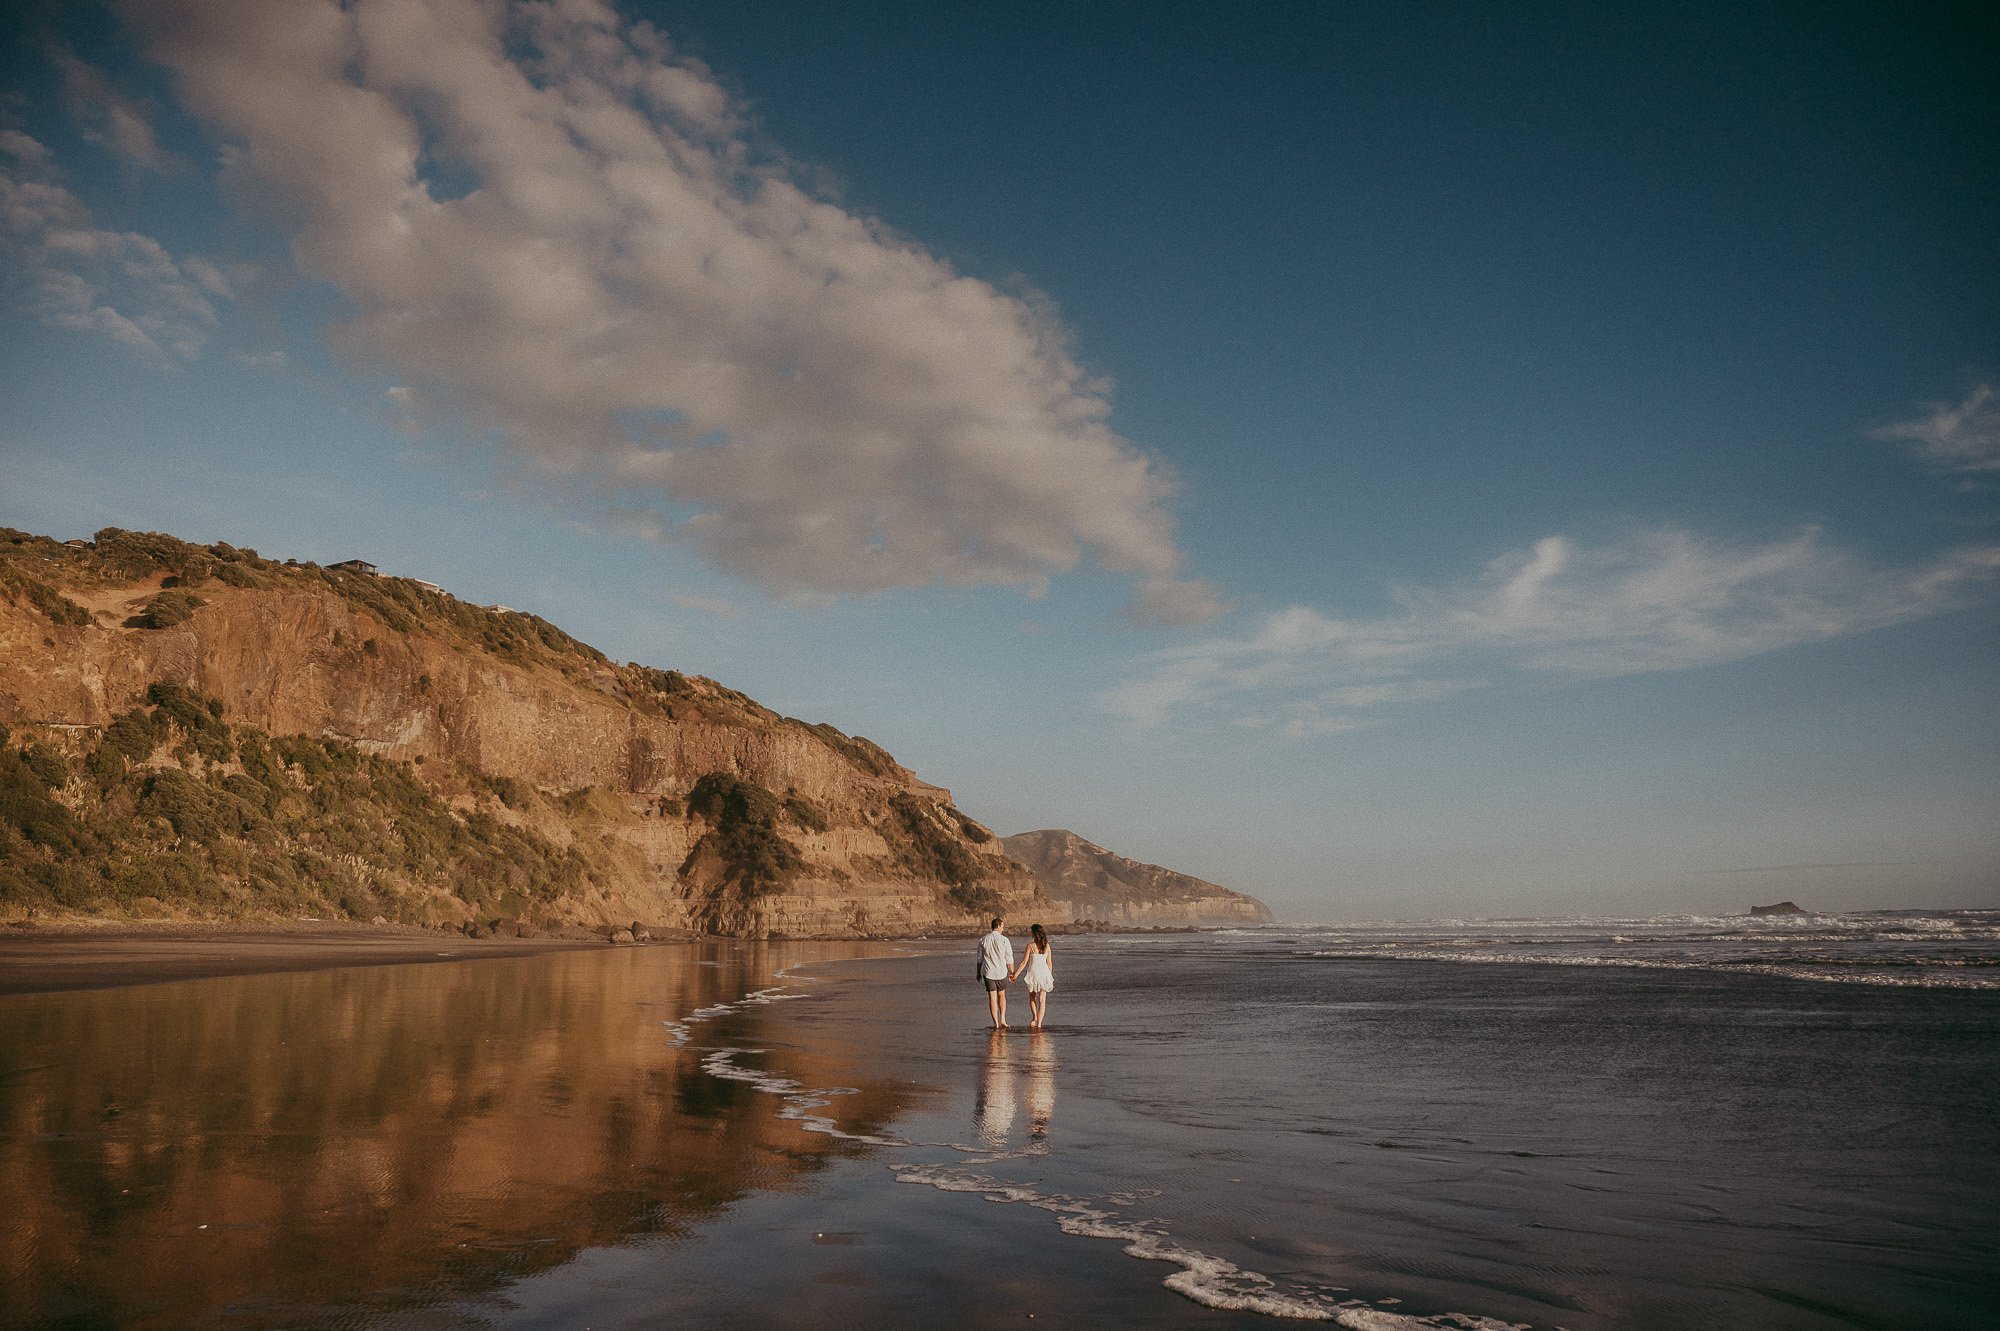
{"x": 998, "y": 954}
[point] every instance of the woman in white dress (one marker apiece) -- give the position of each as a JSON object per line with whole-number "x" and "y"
{"x": 1041, "y": 979}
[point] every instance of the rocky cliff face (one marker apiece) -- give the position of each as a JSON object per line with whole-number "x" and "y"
{"x": 1091, "y": 883}
{"x": 646, "y": 794}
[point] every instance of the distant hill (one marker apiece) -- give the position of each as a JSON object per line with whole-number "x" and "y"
{"x": 198, "y": 731}
{"x": 1091, "y": 883}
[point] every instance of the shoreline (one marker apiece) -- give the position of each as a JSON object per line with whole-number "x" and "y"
{"x": 45, "y": 957}
{"x": 61, "y": 958}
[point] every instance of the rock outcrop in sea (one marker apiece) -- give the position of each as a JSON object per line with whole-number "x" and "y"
{"x": 1781, "y": 908}
{"x": 199, "y": 731}
{"x": 1090, "y": 883}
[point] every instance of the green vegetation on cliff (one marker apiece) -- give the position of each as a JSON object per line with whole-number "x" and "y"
{"x": 174, "y": 806}
{"x": 928, "y": 846}
{"x": 757, "y": 858}
{"x": 169, "y": 608}
{"x": 15, "y": 580}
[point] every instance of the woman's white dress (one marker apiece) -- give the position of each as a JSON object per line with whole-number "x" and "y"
{"x": 1038, "y": 975}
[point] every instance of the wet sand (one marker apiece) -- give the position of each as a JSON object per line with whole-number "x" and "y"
{"x": 530, "y": 1144}
{"x": 56, "y": 958}
{"x": 59, "y": 958}
{"x": 1411, "y": 1145}
{"x": 813, "y": 1134}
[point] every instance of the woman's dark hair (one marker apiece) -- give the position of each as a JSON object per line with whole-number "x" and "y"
{"x": 1041, "y": 935}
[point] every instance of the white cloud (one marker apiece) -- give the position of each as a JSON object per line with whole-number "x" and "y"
{"x": 209, "y": 277}
{"x": 73, "y": 274}
{"x": 550, "y": 223}
{"x": 1961, "y": 437}
{"x": 109, "y": 118}
{"x": 1176, "y": 603}
{"x": 707, "y": 605}
{"x": 1657, "y": 601}
{"x": 23, "y": 149}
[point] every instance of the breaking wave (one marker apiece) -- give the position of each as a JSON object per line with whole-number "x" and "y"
{"x": 1957, "y": 949}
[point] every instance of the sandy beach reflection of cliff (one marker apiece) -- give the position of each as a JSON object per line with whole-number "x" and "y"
{"x": 1017, "y": 1068}
{"x": 284, "y": 1141}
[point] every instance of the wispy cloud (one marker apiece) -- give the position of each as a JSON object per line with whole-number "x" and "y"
{"x": 71, "y": 273}
{"x": 1176, "y": 603}
{"x": 707, "y": 605}
{"x": 107, "y": 116}
{"x": 1561, "y": 611}
{"x": 1963, "y": 436}
{"x": 553, "y": 226}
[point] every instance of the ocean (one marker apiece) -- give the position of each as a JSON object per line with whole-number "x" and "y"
{"x": 1927, "y": 948}
{"x": 1475, "y": 1124}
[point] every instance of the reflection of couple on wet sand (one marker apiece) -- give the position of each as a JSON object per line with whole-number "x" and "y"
{"x": 999, "y": 1080}
{"x": 997, "y": 970}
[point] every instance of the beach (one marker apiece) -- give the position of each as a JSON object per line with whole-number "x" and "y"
{"x": 1216, "y": 1130}
{"x": 53, "y": 958}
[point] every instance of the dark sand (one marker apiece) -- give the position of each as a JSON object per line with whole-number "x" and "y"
{"x": 520, "y": 1145}
{"x": 64, "y": 957}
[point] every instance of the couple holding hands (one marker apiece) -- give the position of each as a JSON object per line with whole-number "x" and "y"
{"x": 997, "y": 970}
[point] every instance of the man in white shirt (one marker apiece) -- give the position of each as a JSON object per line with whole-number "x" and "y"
{"x": 996, "y": 962}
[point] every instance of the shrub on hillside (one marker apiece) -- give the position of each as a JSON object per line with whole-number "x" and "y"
{"x": 510, "y": 792}
{"x": 198, "y": 717}
{"x": 169, "y": 608}
{"x": 184, "y": 802}
{"x": 974, "y": 833}
{"x": 805, "y": 813}
{"x": 927, "y": 849}
{"x": 27, "y": 803}
{"x": 134, "y": 554}
{"x": 865, "y": 754}
{"x": 236, "y": 575}
{"x": 743, "y": 818}
{"x": 52, "y": 603}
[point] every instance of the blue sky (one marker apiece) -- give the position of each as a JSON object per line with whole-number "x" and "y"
{"x": 1398, "y": 461}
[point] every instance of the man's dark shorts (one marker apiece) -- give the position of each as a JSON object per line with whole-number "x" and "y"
{"x": 995, "y": 986}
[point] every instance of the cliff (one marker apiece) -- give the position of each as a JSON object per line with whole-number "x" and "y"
{"x": 1091, "y": 883}
{"x": 198, "y": 730}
